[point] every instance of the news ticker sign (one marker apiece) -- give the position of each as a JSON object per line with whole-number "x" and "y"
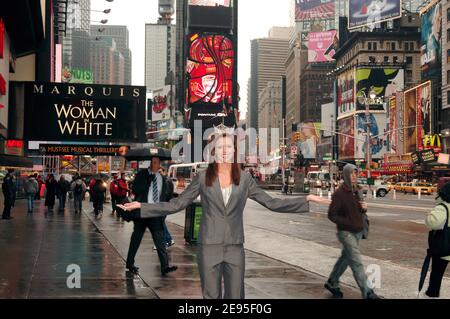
{"x": 92, "y": 150}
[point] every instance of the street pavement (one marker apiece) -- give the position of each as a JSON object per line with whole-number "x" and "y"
{"x": 287, "y": 255}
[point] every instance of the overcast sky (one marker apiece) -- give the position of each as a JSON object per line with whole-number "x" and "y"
{"x": 256, "y": 17}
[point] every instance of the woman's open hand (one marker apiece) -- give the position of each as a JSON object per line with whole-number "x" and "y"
{"x": 130, "y": 206}
{"x": 318, "y": 200}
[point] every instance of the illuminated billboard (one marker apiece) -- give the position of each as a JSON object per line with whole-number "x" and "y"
{"x": 370, "y": 12}
{"x": 314, "y": 9}
{"x": 210, "y": 69}
{"x": 322, "y": 46}
{"x": 309, "y": 139}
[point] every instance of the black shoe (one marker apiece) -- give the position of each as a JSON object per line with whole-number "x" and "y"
{"x": 372, "y": 295}
{"x": 133, "y": 269}
{"x": 168, "y": 270}
{"x": 336, "y": 292}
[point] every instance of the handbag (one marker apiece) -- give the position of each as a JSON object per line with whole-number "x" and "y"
{"x": 439, "y": 240}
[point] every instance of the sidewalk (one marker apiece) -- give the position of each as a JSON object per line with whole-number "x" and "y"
{"x": 265, "y": 278}
{"x": 37, "y": 248}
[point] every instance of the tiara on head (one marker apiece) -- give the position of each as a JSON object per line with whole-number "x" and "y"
{"x": 223, "y": 129}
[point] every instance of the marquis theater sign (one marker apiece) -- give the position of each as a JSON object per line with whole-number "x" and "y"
{"x": 80, "y": 112}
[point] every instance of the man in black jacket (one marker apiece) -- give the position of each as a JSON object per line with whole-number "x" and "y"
{"x": 151, "y": 187}
{"x": 9, "y": 192}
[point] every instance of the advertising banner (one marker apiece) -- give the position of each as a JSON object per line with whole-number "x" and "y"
{"x": 393, "y": 126}
{"x": 346, "y": 138}
{"x": 322, "y": 46}
{"x": 161, "y": 103}
{"x": 76, "y": 150}
{"x": 424, "y": 113}
{"x": 80, "y": 112}
{"x": 431, "y": 32}
{"x": 400, "y": 110}
{"x": 314, "y": 9}
{"x": 77, "y": 76}
{"x": 384, "y": 81}
{"x": 346, "y": 94}
{"x": 210, "y": 3}
{"x": 309, "y": 139}
{"x": 370, "y": 12}
{"x": 410, "y": 119}
{"x": 378, "y": 141}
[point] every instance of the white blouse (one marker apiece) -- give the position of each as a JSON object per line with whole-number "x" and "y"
{"x": 226, "y": 193}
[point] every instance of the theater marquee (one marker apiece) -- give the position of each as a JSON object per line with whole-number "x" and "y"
{"x": 78, "y": 112}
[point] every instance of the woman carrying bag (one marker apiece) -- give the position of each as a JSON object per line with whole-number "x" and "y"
{"x": 439, "y": 238}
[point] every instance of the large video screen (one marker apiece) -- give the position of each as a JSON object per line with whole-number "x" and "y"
{"x": 210, "y": 69}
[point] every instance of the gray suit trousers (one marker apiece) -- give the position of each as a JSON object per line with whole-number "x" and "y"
{"x": 216, "y": 262}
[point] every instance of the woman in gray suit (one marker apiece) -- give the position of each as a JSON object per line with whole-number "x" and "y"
{"x": 224, "y": 189}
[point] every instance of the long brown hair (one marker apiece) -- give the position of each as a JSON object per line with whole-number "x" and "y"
{"x": 212, "y": 172}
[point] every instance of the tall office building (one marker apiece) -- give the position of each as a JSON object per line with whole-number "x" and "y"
{"x": 159, "y": 54}
{"x": 160, "y": 48}
{"x": 120, "y": 35}
{"x": 268, "y": 56}
{"x": 77, "y": 34}
{"x": 108, "y": 63}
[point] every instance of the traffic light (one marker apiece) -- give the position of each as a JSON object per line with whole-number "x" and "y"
{"x": 294, "y": 127}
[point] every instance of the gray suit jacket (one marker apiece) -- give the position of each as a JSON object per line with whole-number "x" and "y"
{"x": 222, "y": 224}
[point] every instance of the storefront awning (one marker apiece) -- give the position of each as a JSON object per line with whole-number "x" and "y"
{"x": 15, "y": 161}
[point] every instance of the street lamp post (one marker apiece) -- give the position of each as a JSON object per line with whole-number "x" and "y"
{"x": 363, "y": 99}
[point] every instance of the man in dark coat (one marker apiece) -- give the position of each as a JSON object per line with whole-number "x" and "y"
{"x": 61, "y": 191}
{"x": 9, "y": 192}
{"x": 346, "y": 211}
{"x": 151, "y": 187}
{"x": 50, "y": 194}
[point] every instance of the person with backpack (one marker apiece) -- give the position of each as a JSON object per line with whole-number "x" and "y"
{"x": 99, "y": 193}
{"x": 31, "y": 188}
{"x": 436, "y": 220}
{"x": 113, "y": 190}
{"x": 78, "y": 189}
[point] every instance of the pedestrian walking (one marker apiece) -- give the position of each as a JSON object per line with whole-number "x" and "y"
{"x": 224, "y": 189}
{"x": 9, "y": 193}
{"x": 150, "y": 187}
{"x": 113, "y": 190}
{"x": 31, "y": 188}
{"x": 436, "y": 220}
{"x": 51, "y": 186}
{"x": 40, "y": 182}
{"x": 78, "y": 189}
{"x": 347, "y": 211}
{"x": 122, "y": 191}
{"x": 61, "y": 191}
{"x": 99, "y": 194}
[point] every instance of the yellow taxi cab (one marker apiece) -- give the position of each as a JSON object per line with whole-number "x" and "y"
{"x": 415, "y": 188}
{"x": 399, "y": 186}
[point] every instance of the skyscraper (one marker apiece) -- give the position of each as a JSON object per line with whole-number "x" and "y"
{"x": 268, "y": 56}
{"x": 120, "y": 35}
{"x": 160, "y": 46}
{"x": 77, "y": 34}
